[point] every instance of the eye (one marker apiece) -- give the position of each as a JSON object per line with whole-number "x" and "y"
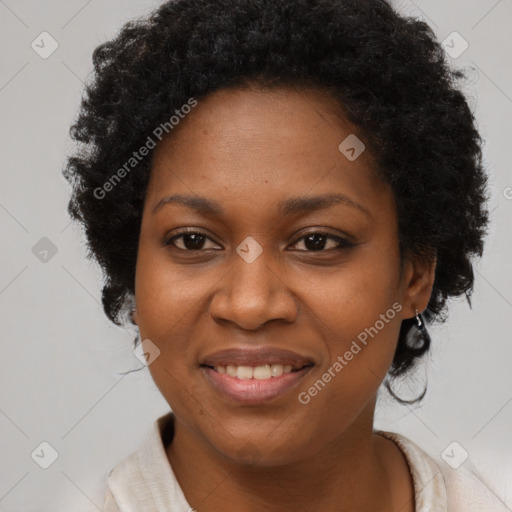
{"x": 317, "y": 241}
{"x": 189, "y": 239}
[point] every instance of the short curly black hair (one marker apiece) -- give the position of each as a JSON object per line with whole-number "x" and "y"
{"x": 388, "y": 72}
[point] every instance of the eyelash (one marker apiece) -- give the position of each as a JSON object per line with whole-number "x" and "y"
{"x": 343, "y": 242}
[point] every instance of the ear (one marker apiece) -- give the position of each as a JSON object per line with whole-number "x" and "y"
{"x": 418, "y": 280}
{"x": 134, "y": 316}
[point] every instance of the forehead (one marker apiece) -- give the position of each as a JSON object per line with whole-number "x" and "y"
{"x": 252, "y": 141}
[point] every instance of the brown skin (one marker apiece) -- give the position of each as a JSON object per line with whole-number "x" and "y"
{"x": 248, "y": 150}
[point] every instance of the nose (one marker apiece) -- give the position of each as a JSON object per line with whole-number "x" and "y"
{"x": 252, "y": 294}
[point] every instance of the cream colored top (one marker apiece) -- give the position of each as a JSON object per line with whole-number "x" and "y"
{"x": 144, "y": 481}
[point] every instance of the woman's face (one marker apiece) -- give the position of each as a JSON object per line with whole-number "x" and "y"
{"x": 296, "y": 249}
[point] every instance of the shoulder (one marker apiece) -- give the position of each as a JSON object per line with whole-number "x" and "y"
{"x": 439, "y": 487}
{"x": 110, "y": 504}
{"x": 469, "y": 491}
{"x": 125, "y": 485}
{"x": 145, "y": 480}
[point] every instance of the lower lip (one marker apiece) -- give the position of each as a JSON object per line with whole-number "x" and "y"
{"x": 254, "y": 391}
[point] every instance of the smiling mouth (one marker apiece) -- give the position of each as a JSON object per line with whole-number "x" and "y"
{"x": 255, "y": 385}
{"x": 260, "y": 372}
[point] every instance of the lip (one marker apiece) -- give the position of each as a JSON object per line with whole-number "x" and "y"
{"x": 254, "y": 391}
{"x": 256, "y": 356}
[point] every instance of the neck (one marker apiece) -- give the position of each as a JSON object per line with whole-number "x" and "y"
{"x": 351, "y": 473}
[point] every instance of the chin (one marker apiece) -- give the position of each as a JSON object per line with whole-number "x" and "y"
{"x": 256, "y": 453}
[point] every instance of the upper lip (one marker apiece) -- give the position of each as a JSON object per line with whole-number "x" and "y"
{"x": 256, "y": 357}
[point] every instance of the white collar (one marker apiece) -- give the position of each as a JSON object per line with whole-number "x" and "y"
{"x": 145, "y": 479}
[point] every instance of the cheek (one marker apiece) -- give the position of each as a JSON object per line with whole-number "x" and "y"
{"x": 360, "y": 329}
{"x": 167, "y": 304}
{"x": 357, "y": 309}
{"x": 166, "y": 296}
{"x": 352, "y": 297}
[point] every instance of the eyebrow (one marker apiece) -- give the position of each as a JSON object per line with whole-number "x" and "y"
{"x": 291, "y": 206}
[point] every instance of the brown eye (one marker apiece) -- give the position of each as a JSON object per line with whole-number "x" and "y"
{"x": 317, "y": 242}
{"x": 189, "y": 240}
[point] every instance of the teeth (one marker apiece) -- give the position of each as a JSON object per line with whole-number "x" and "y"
{"x": 266, "y": 371}
{"x": 244, "y": 372}
{"x": 230, "y": 370}
{"x": 262, "y": 372}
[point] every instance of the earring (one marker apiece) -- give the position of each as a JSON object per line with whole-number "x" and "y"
{"x": 419, "y": 320}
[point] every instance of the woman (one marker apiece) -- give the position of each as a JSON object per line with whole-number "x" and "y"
{"x": 281, "y": 194}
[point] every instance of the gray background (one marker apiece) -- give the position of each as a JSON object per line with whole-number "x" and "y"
{"x": 61, "y": 382}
